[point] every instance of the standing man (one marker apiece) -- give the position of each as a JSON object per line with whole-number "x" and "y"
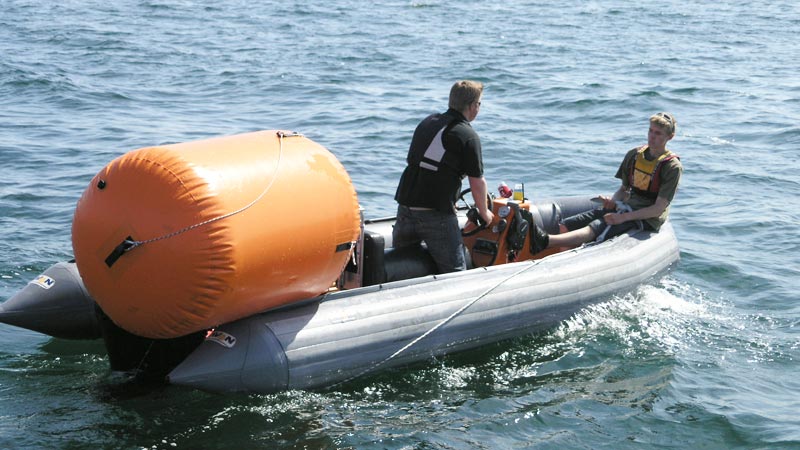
{"x": 650, "y": 175}
{"x": 443, "y": 150}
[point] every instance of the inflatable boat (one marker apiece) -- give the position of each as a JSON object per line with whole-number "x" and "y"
{"x": 244, "y": 263}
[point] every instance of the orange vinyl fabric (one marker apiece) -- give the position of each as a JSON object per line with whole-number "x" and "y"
{"x": 276, "y": 216}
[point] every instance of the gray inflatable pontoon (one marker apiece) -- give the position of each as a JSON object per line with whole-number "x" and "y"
{"x": 347, "y": 334}
{"x": 391, "y": 310}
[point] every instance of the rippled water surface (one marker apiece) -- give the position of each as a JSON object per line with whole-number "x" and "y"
{"x": 706, "y": 357}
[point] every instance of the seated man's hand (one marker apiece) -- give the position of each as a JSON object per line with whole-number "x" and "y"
{"x": 614, "y": 218}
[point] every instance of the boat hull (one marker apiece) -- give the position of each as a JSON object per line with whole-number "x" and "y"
{"x": 343, "y": 335}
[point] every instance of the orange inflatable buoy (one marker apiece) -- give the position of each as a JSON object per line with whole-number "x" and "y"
{"x": 178, "y": 238}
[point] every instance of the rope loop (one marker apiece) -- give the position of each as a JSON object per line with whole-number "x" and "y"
{"x": 129, "y": 243}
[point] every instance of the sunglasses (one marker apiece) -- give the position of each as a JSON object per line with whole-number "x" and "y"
{"x": 670, "y": 120}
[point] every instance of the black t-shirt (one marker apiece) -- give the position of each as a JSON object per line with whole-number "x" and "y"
{"x": 443, "y": 150}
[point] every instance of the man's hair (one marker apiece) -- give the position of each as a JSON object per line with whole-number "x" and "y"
{"x": 464, "y": 93}
{"x": 666, "y": 121}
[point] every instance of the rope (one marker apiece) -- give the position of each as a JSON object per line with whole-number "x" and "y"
{"x": 437, "y": 326}
{"x": 144, "y": 357}
{"x": 130, "y": 244}
{"x": 621, "y": 208}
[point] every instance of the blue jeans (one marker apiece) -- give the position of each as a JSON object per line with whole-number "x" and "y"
{"x": 440, "y": 232}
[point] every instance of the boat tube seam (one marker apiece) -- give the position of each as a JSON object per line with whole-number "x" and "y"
{"x": 133, "y": 243}
{"x": 437, "y": 326}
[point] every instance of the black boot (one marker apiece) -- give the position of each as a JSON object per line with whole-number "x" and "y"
{"x": 539, "y": 239}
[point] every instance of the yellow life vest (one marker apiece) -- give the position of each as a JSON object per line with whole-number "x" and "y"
{"x": 644, "y": 174}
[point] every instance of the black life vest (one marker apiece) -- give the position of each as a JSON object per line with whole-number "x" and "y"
{"x": 427, "y": 151}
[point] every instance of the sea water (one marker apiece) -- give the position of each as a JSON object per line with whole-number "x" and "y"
{"x": 706, "y": 357}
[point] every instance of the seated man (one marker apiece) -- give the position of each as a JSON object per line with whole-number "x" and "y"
{"x": 650, "y": 176}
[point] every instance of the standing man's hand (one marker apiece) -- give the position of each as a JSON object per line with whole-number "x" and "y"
{"x": 488, "y": 217}
{"x": 479, "y": 196}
